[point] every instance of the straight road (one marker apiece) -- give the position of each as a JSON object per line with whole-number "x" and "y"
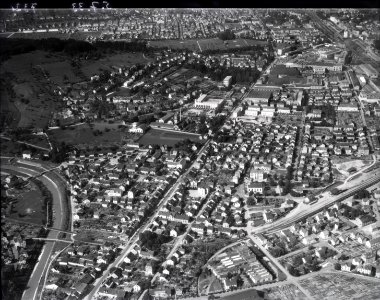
{"x": 307, "y": 210}
{"x": 290, "y": 278}
{"x": 135, "y": 236}
{"x": 58, "y": 193}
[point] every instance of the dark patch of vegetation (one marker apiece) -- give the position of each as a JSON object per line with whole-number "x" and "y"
{"x": 226, "y": 35}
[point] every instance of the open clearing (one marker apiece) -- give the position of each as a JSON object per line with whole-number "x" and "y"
{"x": 164, "y": 137}
{"x": 205, "y": 44}
{"x": 119, "y": 60}
{"x": 354, "y": 164}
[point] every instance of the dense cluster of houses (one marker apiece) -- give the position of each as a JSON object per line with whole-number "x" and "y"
{"x": 87, "y": 262}
{"x": 13, "y": 246}
{"x": 329, "y": 225}
{"x": 153, "y": 24}
{"x": 128, "y": 182}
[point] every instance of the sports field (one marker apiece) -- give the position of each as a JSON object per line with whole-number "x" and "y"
{"x": 163, "y": 137}
{"x": 205, "y": 44}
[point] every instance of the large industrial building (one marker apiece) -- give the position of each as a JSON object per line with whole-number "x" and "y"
{"x": 204, "y": 102}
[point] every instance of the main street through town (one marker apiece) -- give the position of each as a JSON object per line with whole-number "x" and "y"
{"x": 135, "y": 237}
{"x": 57, "y": 189}
{"x": 169, "y": 194}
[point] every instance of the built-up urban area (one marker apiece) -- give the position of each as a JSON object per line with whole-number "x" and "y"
{"x": 190, "y": 154}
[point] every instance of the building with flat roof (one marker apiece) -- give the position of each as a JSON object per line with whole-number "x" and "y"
{"x": 227, "y": 81}
{"x": 260, "y": 95}
{"x": 204, "y": 102}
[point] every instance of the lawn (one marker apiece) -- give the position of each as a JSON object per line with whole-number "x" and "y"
{"x": 162, "y": 137}
{"x": 83, "y": 134}
{"x": 205, "y": 44}
{"x": 119, "y": 60}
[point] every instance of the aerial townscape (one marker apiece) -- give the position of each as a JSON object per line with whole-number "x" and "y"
{"x": 190, "y": 153}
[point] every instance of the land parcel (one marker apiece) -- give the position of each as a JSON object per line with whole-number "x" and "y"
{"x": 166, "y": 137}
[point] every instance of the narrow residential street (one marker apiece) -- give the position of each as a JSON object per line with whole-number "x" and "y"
{"x": 290, "y": 278}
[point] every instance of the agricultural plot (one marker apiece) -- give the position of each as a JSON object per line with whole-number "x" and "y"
{"x": 288, "y": 291}
{"x": 163, "y": 137}
{"x": 340, "y": 287}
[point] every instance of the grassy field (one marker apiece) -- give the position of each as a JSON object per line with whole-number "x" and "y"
{"x": 205, "y": 44}
{"x": 58, "y": 70}
{"x": 28, "y": 204}
{"x": 83, "y": 134}
{"x": 119, "y": 60}
{"x": 8, "y": 110}
{"x": 162, "y": 137}
{"x": 33, "y": 101}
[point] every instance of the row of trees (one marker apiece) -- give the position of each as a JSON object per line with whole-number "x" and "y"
{"x": 47, "y": 203}
{"x": 71, "y": 47}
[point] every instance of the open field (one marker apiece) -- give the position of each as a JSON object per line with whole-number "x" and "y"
{"x": 58, "y": 70}
{"x": 163, "y": 137}
{"x": 205, "y": 44}
{"x": 83, "y": 134}
{"x": 26, "y": 93}
{"x": 28, "y": 204}
{"x": 339, "y": 286}
{"x": 118, "y": 60}
{"x": 20, "y": 64}
{"x": 9, "y": 114}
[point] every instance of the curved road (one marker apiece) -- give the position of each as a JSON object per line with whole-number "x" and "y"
{"x": 58, "y": 193}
